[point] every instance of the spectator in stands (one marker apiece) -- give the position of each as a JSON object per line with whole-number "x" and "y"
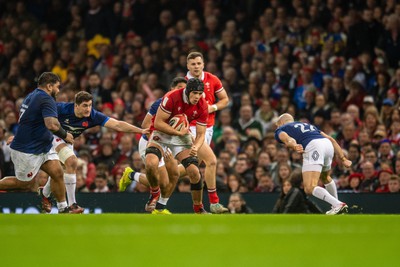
{"x": 394, "y": 184}
{"x": 237, "y": 204}
{"x": 370, "y": 179}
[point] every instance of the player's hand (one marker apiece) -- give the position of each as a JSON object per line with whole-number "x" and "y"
{"x": 10, "y": 139}
{"x": 183, "y": 131}
{"x": 298, "y": 148}
{"x": 168, "y": 155}
{"x": 193, "y": 151}
{"x": 211, "y": 109}
{"x": 146, "y": 131}
{"x": 347, "y": 163}
{"x": 69, "y": 139}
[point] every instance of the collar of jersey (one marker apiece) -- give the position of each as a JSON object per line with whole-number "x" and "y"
{"x": 189, "y": 76}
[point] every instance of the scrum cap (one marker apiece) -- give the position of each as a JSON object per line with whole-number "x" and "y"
{"x": 194, "y": 84}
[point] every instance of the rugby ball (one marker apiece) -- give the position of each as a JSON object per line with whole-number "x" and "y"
{"x": 179, "y": 122}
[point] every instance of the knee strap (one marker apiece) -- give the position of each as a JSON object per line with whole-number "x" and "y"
{"x": 65, "y": 153}
{"x": 154, "y": 150}
{"x": 197, "y": 186}
{"x": 190, "y": 160}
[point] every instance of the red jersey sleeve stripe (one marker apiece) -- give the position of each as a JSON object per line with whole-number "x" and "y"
{"x": 167, "y": 111}
{"x": 219, "y": 90}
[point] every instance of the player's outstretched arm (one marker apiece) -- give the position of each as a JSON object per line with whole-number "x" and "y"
{"x": 122, "y": 126}
{"x": 338, "y": 150}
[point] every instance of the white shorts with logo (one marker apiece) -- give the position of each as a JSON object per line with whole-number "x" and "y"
{"x": 209, "y": 133}
{"x": 28, "y": 165}
{"x": 318, "y": 155}
{"x": 174, "y": 143}
{"x": 142, "y": 151}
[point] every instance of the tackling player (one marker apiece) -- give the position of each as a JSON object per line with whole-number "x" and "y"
{"x": 31, "y": 146}
{"x": 76, "y": 118}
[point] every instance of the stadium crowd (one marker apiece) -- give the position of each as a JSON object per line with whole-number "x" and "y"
{"x": 332, "y": 63}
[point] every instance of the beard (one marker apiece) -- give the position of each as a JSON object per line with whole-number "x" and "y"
{"x": 54, "y": 95}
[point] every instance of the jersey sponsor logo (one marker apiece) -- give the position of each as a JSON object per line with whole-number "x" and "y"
{"x": 85, "y": 124}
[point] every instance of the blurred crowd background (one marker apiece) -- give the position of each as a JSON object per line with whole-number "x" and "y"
{"x": 331, "y": 63}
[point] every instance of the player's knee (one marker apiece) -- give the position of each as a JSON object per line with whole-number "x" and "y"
{"x": 153, "y": 151}
{"x": 193, "y": 173}
{"x": 72, "y": 163}
{"x": 190, "y": 161}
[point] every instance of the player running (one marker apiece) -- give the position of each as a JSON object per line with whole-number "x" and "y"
{"x": 31, "y": 146}
{"x": 213, "y": 90}
{"x": 76, "y": 118}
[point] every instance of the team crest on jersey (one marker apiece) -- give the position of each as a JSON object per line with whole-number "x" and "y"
{"x": 66, "y": 121}
{"x": 30, "y": 174}
{"x": 179, "y": 108}
{"x": 207, "y": 84}
{"x": 85, "y": 124}
{"x": 156, "y": 138}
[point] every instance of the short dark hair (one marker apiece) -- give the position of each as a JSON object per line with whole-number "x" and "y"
{"x": 193, "y": 55}
{"x": 82, "y": 96}
{"x": 176, "y": 81}
{"x": 48, "y": 78}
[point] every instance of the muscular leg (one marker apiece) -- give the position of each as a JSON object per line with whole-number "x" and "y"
{"x": 54, "y": 169}
{"x": 10, "y": 183}
{"x": 71, "y": 165}
{"x": 330, "y": 185}
{"x": 310, "y": 182}
{"x": 206, "y": 154}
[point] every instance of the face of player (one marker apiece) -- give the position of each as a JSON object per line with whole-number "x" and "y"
{"x": 54, "y": 89}
{"x": 84, "y": 109}
{"x": 195, "y": 96}
{"x": 195, "y": 67}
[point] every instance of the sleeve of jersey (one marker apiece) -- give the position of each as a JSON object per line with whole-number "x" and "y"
{"x": 218, "y": 85}
{"x": 99, "y": 118}
{"x": 277, "y": 132}
{"x": 153, "y": 109}
{"x": 167, "y": 104}
{"x": 49, "y": 108}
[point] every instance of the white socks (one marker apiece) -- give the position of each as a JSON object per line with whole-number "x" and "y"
{"x": 331, "y": 188}
{"x": 61, "y": 205}
{"x": 47, "y": 188}
{"x": 163, "y": 200}
{"x": 324, "y": 195}
{"x": 136, "y": 177}
{"x": 70, "y": 186}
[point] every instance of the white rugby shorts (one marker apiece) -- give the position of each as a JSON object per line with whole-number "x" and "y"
{"x": 28, "y": 165}
{"x": 318, "y": 155}
{"x": 209, "y": 133}
{"x": 174, "y": 143}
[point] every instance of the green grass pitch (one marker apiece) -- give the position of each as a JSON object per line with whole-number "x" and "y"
{"x": 199, "y": 240}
